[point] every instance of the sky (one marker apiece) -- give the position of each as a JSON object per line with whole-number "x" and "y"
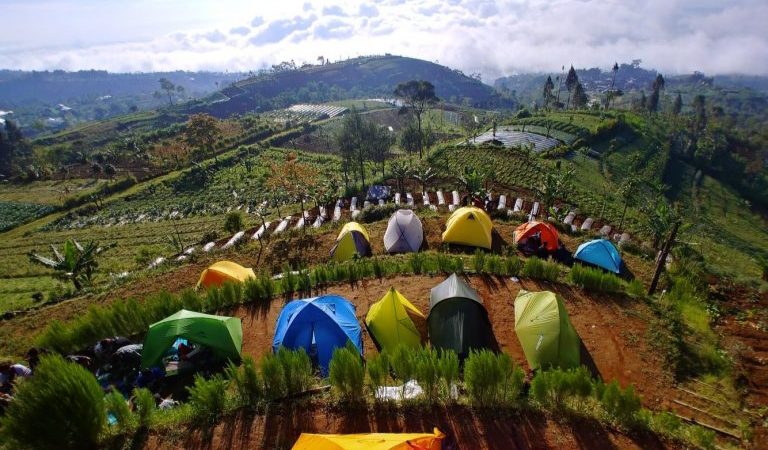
{"x": 490, "y": 37}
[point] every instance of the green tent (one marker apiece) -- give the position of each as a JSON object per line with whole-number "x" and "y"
{"x": 545, "y": 332}
{"x": 223, "y": 335}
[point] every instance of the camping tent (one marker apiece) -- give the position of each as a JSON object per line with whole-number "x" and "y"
{"x": 224, "y": 271}
{"x": 548, "y": 233}
{"x": 223, "y": 335}
{"x": 457, "y": 318}
{"x": 404, "y": 232}
{"x": 389, "y": 323}
{"x": 544, "y": 330}
{"x": 371, "y": 441}
{"x": 378, "y": 192}
{"x": 352, "y": 240}
{"x": 325, "y": 322}
{"x": 469, "y": 226}
{"x": 601, "y": 253}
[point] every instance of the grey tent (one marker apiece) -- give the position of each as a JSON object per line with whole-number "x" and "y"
{"x": 457, "y": 318}
{"x": 404, "y": 232}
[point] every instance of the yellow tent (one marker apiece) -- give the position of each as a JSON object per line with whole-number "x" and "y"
{"x": 389, "y": 323}
{"x": 371, "y": 441}
{"x": 469, "y": 226}
{"x": 352, "y": 240}
{"x": 223, "y": 271}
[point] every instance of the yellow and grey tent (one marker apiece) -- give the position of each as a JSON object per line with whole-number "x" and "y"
{"x": 389, "y": 323}
{"x": 352, "y": 240}
{"x": 223, "y": 271}
{"x": 371, "y": 441}
{"x": 469, "y": 226}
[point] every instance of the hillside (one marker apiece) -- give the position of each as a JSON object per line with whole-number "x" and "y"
{"x": 370, "y": 77}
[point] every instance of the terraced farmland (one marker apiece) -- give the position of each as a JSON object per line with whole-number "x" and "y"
{"x": 512, "y": 138}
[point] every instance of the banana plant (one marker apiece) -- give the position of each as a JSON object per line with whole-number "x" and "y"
{"x": 75, "y": 263}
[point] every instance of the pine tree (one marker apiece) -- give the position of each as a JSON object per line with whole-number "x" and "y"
{"x": 580, "y": 98}
{"x": 570, "y": 83}
{"x": 677, "y": 106}
{"x": 548, "y": 87}
{"x": 653, "y": 101}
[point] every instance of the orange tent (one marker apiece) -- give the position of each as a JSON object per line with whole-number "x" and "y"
{"x": 549, "y": 236}
{"x": 224, "y": 271}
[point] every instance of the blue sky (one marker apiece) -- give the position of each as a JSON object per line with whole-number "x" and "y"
{"x": 493, "y": 37}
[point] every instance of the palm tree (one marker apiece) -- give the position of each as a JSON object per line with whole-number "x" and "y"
{"x": 76, "y": 263}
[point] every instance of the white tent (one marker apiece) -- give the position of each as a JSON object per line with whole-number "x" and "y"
{"x": 404, "y": 232}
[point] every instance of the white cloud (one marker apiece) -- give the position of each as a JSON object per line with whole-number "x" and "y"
{"x": 493, "y": 37}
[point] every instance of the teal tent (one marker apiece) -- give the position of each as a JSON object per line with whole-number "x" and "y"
{"x": 601, "y": 253}
{"x": 223, "y": 335}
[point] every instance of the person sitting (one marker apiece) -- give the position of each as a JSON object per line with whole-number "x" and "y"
{"x": 33, "y": 356}
{"x": 148, "y": 378}
{"x": 105, "y": 348}
{"x": 8, "y": 374}
{"x": 126, "y": 359}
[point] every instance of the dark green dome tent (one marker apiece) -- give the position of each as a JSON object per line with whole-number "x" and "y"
{"x": 223, "y": 335}
{"x": 457, "y": 318}
{"x": 545, "y": 331}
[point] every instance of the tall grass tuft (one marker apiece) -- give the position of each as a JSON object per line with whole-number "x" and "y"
{"x": 60, "y": 407}
{"x": 494, "y": 266}
{"x": 636, "y": 289}
{"x": 448, "y": 364}
{"x": 144, "y": 404}
{"x": 541, "y": 270}
{"x": 290, "y": 281}
{"x": 207, "y": 398}
{"x": 416, "y": 263}
{"x": 551, "y": 388}
{"x": 491, "y": 379}
{"x": 512, "y": 265}
{"x": 346, "y": 373}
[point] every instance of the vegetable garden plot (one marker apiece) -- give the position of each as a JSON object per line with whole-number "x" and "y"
{"x": 16, "y": 213}
{"x": 512, "y": 138}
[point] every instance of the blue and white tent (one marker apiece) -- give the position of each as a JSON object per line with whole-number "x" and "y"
{"x": 601, "y": 253}
{"x": 378, "y": 192}
{"x": 325, "y": 323}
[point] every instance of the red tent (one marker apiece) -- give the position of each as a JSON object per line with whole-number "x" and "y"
{"x": 549, "y": 236}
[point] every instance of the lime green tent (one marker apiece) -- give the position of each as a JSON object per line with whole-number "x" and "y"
{"x": 545, "y": 332}
{"x": 389, "y": 322}
{"x": 352, "y": 240}
{"x": 223, "y": 335}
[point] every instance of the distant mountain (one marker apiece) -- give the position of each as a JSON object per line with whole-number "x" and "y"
{"x": 374, "y": 76}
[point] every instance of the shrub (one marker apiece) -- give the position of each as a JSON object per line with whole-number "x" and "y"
{"x": 426, "y": 370}
{"x": 289, "y": 282}
{"x": 444, "y": 263}
{"x": 297, "y": 369}
{"x": 247, "y": 381}
{"x": 620, "y": 405}
{"x": 207, "y": 398}
{"x": 448, "y": 366}
{"x": 273, "y": 377}
{"x": 552, "y": 387}
{"x": 540, "y": 269}
{"x": 702, "y": 437}
{"x": 492, "y": 379}
{"x": 61, "y": 407}
{"x": 666, "y": 423}
{"x": 346, "y": 373}
{"x": 478, "y": 261}
{"x": 458, "y": 265}
{"x": 376, "y": 213}
{"x": 117, "y": 407}
{"x": 253, "y": 291}
{"x": 593, "y": 279}
{"x": 493, "y": 265}
{"x": 378, "y": 371}
{"x": 378, "y": 268}
{"x": 144, "y": 403}
{"x": 231, "y": 293}
{"x": 191, "y": 300}
{"x": 234, "y": 222}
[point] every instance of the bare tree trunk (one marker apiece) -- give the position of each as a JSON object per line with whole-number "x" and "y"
{"x": 661, "y": 261}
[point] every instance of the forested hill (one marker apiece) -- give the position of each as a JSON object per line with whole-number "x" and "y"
{"x": 374, "y": 76}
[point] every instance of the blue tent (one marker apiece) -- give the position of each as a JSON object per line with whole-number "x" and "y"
{"x": 601, "y": 253}
{"x": 325, "y": 323}
{"x": 378, "y": 192}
